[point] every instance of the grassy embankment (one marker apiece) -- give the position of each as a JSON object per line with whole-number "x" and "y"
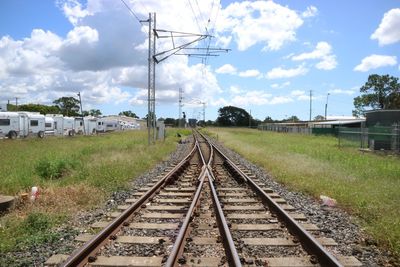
{"x": 73, "y": 174}
{"x": 366, "y": 185}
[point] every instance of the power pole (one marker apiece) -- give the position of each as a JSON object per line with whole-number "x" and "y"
{"x": 180, "y": 107}
{"x": 204, "y": 113}
{"x": 16, "y": 103}
{"x": 326, "y": 106}
{"x": 250, "y": 119}
{"x": 151, "y": 80}
{"x": 310, "y": 103}
{"x": 83, "y": 121}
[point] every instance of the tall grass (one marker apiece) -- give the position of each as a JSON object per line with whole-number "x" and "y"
{"x": 367, "y": 185}
{"x": 72, "y": 174}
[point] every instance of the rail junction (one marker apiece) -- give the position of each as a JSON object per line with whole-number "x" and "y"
{"x": 205, "y": 210}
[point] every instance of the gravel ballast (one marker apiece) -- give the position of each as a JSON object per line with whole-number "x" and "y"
{"x": 335, "y": 223}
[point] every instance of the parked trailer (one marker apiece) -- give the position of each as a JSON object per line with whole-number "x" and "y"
{"x": 90, "y": 125}
{"x": 36, "y": 124}
{"x": 13, "y": 125}
{"x": 49, "y": 126}
{"x": 106, "y": 125}
{"x": 63, "y": 125}
{"x": 79, "y": 125}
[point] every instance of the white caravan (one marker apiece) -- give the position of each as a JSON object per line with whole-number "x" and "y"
{"x": 79, "y": 129}
{"x": 90, "y": 125}
{"x": 13, "y": 125}
{"x": 63, "y": 125}
{"x": 36, "y": 124}
{"x": 107, "y": 125}
{"x": 49, "y": 126}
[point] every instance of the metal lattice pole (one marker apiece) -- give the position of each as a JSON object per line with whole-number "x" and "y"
{"x": 151, "y": 80}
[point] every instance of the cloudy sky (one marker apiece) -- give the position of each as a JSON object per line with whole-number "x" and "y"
{"x": 279, "y": 51}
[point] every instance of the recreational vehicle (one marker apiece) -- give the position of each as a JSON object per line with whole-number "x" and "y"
{"x": 79, "y": 128}
{"x": 13, "y": 125}
{"x": 90, "y": 125}
{"x": 107, "y": 125}
{"x": 36, "y": 124}
{"x": 49, "y": 126}
{"x": 62, "y": 125}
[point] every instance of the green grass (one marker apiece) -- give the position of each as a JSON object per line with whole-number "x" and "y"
{"x": 366, "y": 185}
{"x": 73, "y": 174}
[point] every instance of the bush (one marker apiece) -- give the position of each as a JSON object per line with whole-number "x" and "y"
{"x": 51, "y": 168}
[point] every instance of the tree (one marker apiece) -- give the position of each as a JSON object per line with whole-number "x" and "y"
{"x": 68, "y": 106}
{"x": 42, "y": 109}
{"x": 95, "y": 112}
{"x": 268, "y": 119}
{"x": 292, "y": 118}
{"x": 233, "y": 116}
{"x": 129, "y": 113}
{"x": 379, "y": 92}
{"x": 170, "y": 121}
{"x": 319, "y": 118}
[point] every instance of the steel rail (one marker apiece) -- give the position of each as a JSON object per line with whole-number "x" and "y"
{"x": 229, "y": 245}
{"x": 180, "y": 241}
{"x": 81, "y": 256}
{"x": 311, "y": 245}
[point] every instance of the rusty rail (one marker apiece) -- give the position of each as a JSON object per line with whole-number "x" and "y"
{"x": 311, "y": 245}
{"x": 86, "y": 253}
{"x": 181, "y": 238}
{"x": 230, "y": 249}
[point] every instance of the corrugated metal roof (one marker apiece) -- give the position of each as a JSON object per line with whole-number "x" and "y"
{"x": 339, "y": 122}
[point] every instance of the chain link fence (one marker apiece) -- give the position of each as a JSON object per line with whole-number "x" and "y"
{"x": 372, "y": 138}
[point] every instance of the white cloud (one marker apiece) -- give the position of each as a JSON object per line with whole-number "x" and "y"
{"x": 342, "y": 92}
{"x": 388, "y": 31}
{"x": 234, "y": 90}
{"x": 300, "y": 95}
{"x": 311, "y": 11}
{"x": 250, "y": 73}
{"x": 226, "y": 69}
{"x": 73, "y": 10}
{"x": 282, "y": 85}
{"x": 277, "y": 73}
{"x": 256, "y": 22}
{"x": 323, "y": 52}
{"x": 376, "y": 61}
{"x": 101, "y": 56}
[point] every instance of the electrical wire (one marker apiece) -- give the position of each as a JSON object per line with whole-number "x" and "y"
{"x": 133, "y": 13}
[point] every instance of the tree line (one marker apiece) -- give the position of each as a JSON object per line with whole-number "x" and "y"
{"x": 379, "y": 92}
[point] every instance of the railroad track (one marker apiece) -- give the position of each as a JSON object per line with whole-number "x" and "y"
{"x": 205, "y": 211}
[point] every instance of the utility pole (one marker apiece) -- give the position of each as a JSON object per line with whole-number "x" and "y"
{"x": 250, "y": 119}
{"x": 16, "y": 103}
{"x": 180, "y": 107}
{"x": 310, "y": 103}
{"x": 83, "y": 121}
{"x": 326, "y": 106}
{"x": 204, "y": 113}
{"x": 151, "y": 80}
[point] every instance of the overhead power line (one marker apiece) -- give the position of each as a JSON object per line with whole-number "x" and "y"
{"x": 133, "y": 13}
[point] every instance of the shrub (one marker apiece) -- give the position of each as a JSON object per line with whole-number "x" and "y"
{"x": 51, "y": 168}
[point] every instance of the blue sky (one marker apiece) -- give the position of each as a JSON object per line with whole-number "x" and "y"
{"x": 280, "y": 50}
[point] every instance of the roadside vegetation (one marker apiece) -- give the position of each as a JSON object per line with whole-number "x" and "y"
{"x": 366, "y": 185}
{"x": 73, "y": 174}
